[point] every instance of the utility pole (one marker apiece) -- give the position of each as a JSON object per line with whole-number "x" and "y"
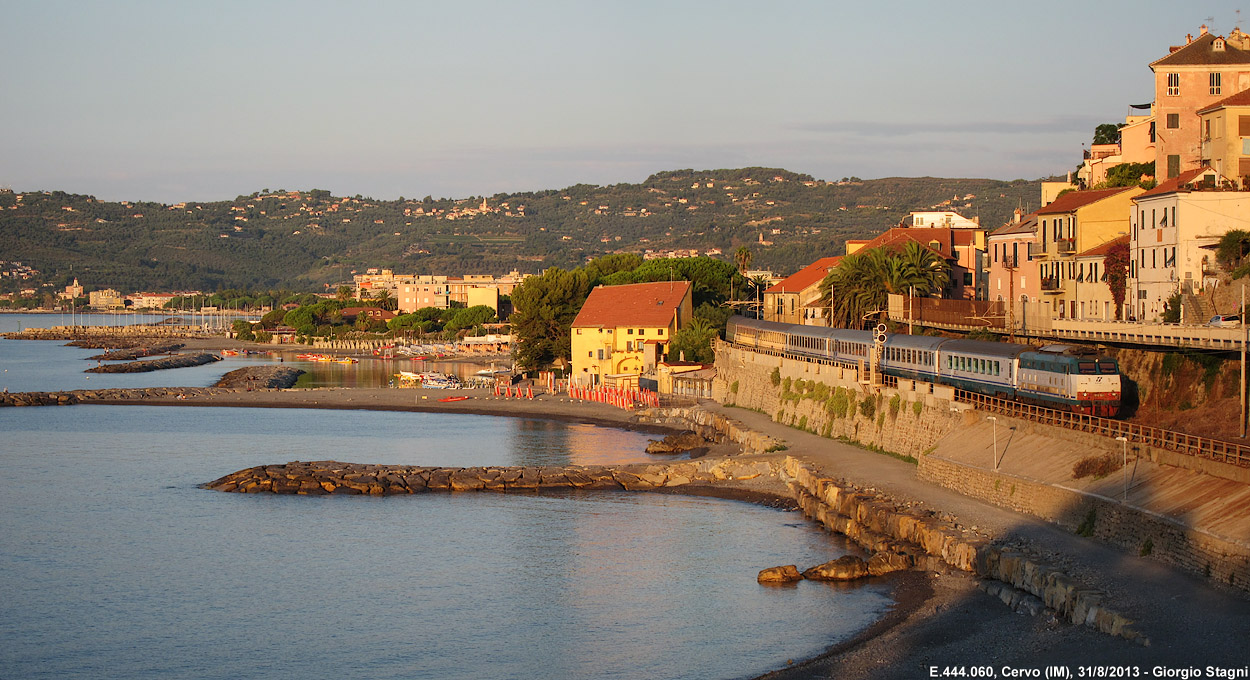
{"x": 1245, "y": 336}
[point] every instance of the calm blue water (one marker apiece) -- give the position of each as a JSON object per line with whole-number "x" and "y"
{"x": 113, "y": 564}
{"x": 67, "y": 374}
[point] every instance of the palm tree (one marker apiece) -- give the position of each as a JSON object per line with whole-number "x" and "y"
{"x": 861, "y": 284}
{"x": 742, "y": 258}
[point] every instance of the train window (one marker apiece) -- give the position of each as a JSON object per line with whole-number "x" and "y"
{"x": 1107, "y": 367}
{"x": 1087, "y": 367}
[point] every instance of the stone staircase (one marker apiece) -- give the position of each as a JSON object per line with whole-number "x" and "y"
{"x": 1197, "y": 309}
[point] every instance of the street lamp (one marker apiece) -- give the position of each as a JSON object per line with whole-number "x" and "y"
{"x": 1124, "y": 444}
{"x": 994, "y": 421}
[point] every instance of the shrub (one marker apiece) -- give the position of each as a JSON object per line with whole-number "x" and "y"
{"x": 917, "y": 407}
{"x": 896, "y": 402}
{"x": 776, "y": 377}
{"x": 786, "y": 385}
{"x": 1096, "y": 466}
{"x": 733, "y": 388}
{"x": 1147, "y": 548}
{"x": 1086, "y": 527}
{"x": 868, "y": 406}
{"x": 803, "y": 423}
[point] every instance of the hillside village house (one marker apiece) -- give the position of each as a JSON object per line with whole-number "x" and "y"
{"x": 1175, "y": 228}
{"x": 413, "y": 292}
{"x": 622, "y": 332}
{"x": 1012, "y": 268}
{"x": 1226, "y": 139}
{"x": 963, "y": 248}
{"x": 796, "y": 298}
{"x": 1073, "y": 224}
{"x": 1191, "y": 78}
{"x": 1136, "y": 145}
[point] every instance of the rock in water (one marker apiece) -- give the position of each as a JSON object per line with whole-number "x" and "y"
{"x": 786, "y": 574}
{"x": 846, "y": 568}
{"x": 676, "y": 443}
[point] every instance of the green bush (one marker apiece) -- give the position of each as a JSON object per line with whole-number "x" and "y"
{"x": 803, "y": 423}
{"x": 896, "y": 402}
{"x": 733, "y": 388}
{"x": 776, "y": 377}
{"x": 917, "y": 407}
{"x": 868, "y": 406}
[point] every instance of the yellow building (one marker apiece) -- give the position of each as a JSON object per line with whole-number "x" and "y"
{"x": 1225, "y": 129}
{"x": 622, "y": 332}
{"x": 1073, "y": 224}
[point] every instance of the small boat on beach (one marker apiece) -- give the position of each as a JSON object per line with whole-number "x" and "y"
{"x": 453, "y": 398}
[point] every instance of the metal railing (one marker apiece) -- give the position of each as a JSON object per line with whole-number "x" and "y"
{"x": 1221, "y": 450}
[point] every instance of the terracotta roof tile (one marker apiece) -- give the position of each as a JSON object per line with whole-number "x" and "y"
{"x": 1200, "y": 53}
{"x": 804, "y": 278}
{"x": 1079, "y": 199}
{"x": 896, "y": 238}
{"x": 1100, "y": 250}
{"x": 1174, "y": 184}
{"x": 1240, "y": 99}
{"x": 647, "y": 305}
{"x": 1026, "y": 225}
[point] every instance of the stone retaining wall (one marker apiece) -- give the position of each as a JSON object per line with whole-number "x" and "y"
{"x": 876, "y": 523}
{"x": 828, "y": 401}
{"x": 1221, "y": 560}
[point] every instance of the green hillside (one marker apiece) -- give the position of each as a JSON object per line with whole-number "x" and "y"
{"x": 307, "y": 239}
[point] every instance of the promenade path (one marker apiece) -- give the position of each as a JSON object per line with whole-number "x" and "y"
{"x": 1187, "y": 621}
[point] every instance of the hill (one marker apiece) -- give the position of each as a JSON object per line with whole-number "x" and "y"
{"x": 307, "y": 239}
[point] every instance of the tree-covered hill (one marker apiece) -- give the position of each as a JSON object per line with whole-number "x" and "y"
{"x": 308, "y": 239}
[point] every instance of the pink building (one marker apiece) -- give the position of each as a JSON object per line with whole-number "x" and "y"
{"x": 1013, "y": 273}
{"x": 1192, "y": 77}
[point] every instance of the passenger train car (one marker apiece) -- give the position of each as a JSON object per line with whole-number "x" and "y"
{"x": 1064, "y": 377}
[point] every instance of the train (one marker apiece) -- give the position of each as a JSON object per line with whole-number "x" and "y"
{"x": 1065, "y": 377}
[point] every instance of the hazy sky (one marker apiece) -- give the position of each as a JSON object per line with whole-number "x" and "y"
{"x": 170, "y": 101}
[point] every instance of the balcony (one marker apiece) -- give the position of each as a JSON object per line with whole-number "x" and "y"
{"x": 1065, "y": 246}
{"x": 1037, "y": 250}
{"x": 1051, "y": 285}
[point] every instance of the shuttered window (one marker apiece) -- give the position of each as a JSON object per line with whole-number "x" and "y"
{"x": 1243, "y": 126}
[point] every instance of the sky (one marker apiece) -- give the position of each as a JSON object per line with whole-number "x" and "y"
{"x": 201, "y": 101}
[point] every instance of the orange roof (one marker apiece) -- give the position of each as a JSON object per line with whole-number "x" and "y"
{"x": 1101, "y": 250}
{"x": 897, "y": 237}
{"x": 1173, "y": 184}
{"x": 1240, "y": 99}
{"x": 806, "y": 277}
{"x": 646, "y": 305}
{"x": 1079, "y": 199}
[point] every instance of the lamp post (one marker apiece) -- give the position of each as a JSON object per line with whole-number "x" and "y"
{"x": 994, "y": 422}
{"x": 1124, "y": 444}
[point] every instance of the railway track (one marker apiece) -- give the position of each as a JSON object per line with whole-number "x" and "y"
{"x": 1233, "y": 453}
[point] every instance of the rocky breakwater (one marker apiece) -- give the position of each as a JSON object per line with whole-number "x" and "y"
{"x": 1022, "y": 580}
{"x": 131, "y": 353}
{"x": 264, "y": 376}
{"x": 122, "y": 395}
{"x": 333, "y": 477}
{"x": 176, "y": 361}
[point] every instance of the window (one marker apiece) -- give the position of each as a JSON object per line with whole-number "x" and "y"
{"x": 1174, "y": 121}
{"x": 1174, "y": 165}
{"x": 601, "y": 355}
{"x": 1214, "y": 80}
{"x": 630, "y": 331}
{"x": 1174, "y": 84}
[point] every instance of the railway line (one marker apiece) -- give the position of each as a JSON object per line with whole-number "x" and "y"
{"x": 1233, "y": 453}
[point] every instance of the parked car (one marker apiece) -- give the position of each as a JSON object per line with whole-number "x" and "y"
{"x": 1225, "y": 321}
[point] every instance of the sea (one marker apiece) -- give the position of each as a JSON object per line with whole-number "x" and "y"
{"x": 114, "y": 563}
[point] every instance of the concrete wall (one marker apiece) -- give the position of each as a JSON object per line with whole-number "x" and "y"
{"x": 1170, "y": 540}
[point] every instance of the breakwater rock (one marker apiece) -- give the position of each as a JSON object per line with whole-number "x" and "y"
{"x": 125, "y": 395}
{"x": 253, "y": 377}
{"x": 131, "y": 353}
{"x": 334, "y": 477}
{"x": 176, "y": 361}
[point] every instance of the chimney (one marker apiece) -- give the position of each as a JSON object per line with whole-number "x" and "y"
{"x": 1189, "y": 37}
{"x": 1202, "y": 30}
{"x": 1019, "y": 215}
